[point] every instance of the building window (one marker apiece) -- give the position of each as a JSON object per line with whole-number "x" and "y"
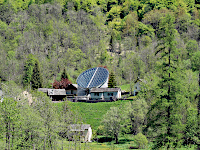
{"x": 96, "y": 94}
{"x": 110, "y": 94}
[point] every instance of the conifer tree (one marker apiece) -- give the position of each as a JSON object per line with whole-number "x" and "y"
{"x": 28, "y": 70}
{"x": 36, "y": 79}
{"x": 64, "y": 75}
{"x": 196, "y": 67}
{"x": 165, "y": 116}
{"x": 111, "y": 82}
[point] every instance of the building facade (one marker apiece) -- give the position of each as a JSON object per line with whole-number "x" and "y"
{"x": 105, "y": 93}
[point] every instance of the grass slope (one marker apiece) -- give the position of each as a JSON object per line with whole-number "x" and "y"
{"x": 92, "y": 113}
{"x": 125, "y": 87}
{"x": 124, "y": 144}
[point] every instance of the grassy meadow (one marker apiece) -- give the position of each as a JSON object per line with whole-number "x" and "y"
{"x": 125, "y": 87}
{"x": 125, "y": 142}
{"x": 92, "y": 113}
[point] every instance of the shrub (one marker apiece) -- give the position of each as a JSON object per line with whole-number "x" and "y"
{"x": 94, "y": 134}
{"x": 141, "y": 140}
{"x": 100, "y": 130}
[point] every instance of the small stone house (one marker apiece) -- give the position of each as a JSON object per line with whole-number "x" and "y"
{"x": 82, "y": 132}
{"x": 1, "y": 95}
{"x": 105, "y": 93}
{"x": 54, "y": 94}
{"x": 44, "y": 90}
{"x": 137, "y": 86}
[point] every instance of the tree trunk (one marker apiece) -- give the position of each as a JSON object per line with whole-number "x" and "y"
{"x": 116, "y": 139}
{"x": 198, "y": 105}
{"x": 199, "y": 97}
{"x": 168, "y": 100}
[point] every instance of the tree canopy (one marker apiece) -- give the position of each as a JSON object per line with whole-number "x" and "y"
{"x": 154, "y": 40}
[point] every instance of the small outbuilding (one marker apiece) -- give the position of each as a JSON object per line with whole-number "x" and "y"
{"x": 44, "y": 90}
{"x": 81, "y": 131}
{"x": 56, "y": 94}
{"x": 1, "y": 95}
{"x": 137, "y": 86}
{"x": 105, "y": 93}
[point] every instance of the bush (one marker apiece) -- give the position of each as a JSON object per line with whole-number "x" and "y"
{"x": 100, "y": 130}
{"x": 141, "y": 140}
{"x": 94, "y": 134}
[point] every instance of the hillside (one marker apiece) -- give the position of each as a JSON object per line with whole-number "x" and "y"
{"x": 77, "y": 35}
{"x": 92, "y": 113}
{"x": 41, "y": 41}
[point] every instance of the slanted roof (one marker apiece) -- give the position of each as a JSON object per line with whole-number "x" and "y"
{"x": 45, "y": 90}
{"x": 79, "y": 127}
{"x": 100, "y": 90}
{"x": 72, "y": 86}
{"x": 75, "y": 85}
{"x": 141, "y": 80}
{"x": 56, "y": 92}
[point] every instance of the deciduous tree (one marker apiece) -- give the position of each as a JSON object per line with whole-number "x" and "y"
{"x": 136, "y": 114}
{"x": 9, "y": 120}
{"x": 113, "y": 121}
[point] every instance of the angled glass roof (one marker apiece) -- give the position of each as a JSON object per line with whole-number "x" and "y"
{"x": 93, "y": 77}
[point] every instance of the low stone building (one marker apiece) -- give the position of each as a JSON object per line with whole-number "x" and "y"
{"x": 105, "y": 93}
{"x": 137, "y": 86}
{"x": 82, "y": 132}
{"x": 44, "y": 90}
{"x": 1, "y": 95}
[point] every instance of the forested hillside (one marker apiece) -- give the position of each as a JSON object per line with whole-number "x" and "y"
{"x": 73, "y": 34}
{"x": 157, "y": 41}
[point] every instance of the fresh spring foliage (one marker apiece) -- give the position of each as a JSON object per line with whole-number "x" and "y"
{"x": 155, "y": 40}
{"x": 32, "y": 75}
{"x": 35, "y": 125}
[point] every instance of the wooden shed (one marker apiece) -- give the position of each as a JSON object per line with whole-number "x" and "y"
{"x": 56, "y": 94}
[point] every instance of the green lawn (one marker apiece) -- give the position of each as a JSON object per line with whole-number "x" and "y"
{"x": 125, "y": 87}
{"x": 92, "y": 113}
{"x": 124, "y": 143}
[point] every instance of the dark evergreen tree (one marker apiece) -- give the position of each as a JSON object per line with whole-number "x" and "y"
{"x": 64, "y": 75}
{"x": 196, "y": 67}
{"x": 36, "y": 80}
{"x": 111, "y": 82}
{"x": 28, "y": 70}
